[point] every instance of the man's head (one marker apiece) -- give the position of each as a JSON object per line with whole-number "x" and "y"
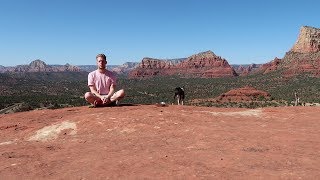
{"x": 101, "y": 61}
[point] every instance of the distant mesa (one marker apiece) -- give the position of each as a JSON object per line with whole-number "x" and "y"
{"x": 125, "y": 68}
{"x": 270, "y": 66}
{"x": 246, "y": 69}
{"x": 204, "y": 64}
{"x": 119, "y": 69}
{"x": 150, "y": 67}
{"x": 40, "y": 66}
{"x": 244, "y": 94}
{"x": 303, "y": 57}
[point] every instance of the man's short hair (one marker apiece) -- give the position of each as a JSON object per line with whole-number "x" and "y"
{"x": 101, "y": 55}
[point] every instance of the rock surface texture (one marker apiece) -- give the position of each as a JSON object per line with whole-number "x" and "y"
{"x": 151, "y": 142}
{"x": 243, "y": 94}
{"x": 308, "y": 40}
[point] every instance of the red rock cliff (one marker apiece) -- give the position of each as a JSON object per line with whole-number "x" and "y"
{"x": 205, "y": 64}
{"x": 308, "y": 40}
{"x": 304, "y": 57}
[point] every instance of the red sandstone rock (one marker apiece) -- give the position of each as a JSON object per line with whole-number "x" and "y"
{"x": 150, "y": 142}
{"x": 244, "y": 70}
{"x": 271, "y": 66}
{"x": 243, "y": 94}
{"x": 304, "y": 57}
{"x": 205, "y": 64}
{"x": 308, "y": 40}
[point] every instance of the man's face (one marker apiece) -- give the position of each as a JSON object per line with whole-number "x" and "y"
{"x": 101, "y": 63}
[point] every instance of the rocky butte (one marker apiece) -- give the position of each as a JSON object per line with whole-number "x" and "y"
{"x": 40, "y": 66}
{"x": 246, "y": 69}
{"x": 304, "y": 56}
{"x": 150, "y": 67}
{"x": 308, "y": 40}
{"x": 205, "y": 64}
{"x": 125, "y": 68}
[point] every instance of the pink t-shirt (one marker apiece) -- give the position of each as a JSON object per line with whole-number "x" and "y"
{"x": 102, "y": 81}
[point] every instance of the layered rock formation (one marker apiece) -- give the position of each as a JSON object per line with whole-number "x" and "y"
{"x": 205, "y": 64}
{"x": 304, "y": 56}
{"x": 308, "y": 40}
{"x": 150, "y": 67}
{"x": 125, "y": 68}
{"x": 243, "y": 70}
{"x": 40, "y": 66}
{"x": 296, "y": 63}
{"x": 68, "y": 67}
{"x": 271, "y": 66}
{"x": 243, "y": 94}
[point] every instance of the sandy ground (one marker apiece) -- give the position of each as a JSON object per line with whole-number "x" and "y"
{"x": 174, "y": 142}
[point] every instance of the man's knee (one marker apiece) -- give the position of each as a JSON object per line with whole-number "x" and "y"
{"x": 121, "y": 93}
{"x": 87, "y": 95}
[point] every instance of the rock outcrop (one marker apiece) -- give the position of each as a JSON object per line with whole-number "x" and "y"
{"x": 308, "y": 40}
{"x": 34, "y": 66}
{"x": 69, "y": 67}
{"x": 270, "y": 66}
{"x": 171, "y": 142}
{"x": 40, "y": 66}
{"x": 150, "y": 67}
{"x": 243, "y": 70}
{"x": 205, "y": 64}
{"x": 296, "y": 63}
{"x": 243, "y": 94}
{"x": 304, "y": 57}
{"x": 125, "y": 68}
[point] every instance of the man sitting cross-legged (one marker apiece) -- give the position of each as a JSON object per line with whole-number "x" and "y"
{"x": 102, "y": 83}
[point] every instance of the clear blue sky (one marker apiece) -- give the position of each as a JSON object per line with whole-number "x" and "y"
{"x": 74, "y": 31}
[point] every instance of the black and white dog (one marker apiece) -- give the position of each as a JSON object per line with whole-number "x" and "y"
{"x": 179, "y": 94}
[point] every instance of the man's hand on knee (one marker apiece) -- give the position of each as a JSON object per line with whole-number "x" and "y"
{"x": 105, "y": 99}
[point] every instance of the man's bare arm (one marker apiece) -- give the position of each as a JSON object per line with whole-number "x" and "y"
{"x": 104, "y": 98}
{"x": 95, "y": 92}
{"x": 112, "y": 90}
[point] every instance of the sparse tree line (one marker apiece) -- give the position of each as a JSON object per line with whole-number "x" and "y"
{"x": 61, "y": 92}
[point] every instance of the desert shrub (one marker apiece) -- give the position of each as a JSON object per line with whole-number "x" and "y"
{"x": 56, "y": 89}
